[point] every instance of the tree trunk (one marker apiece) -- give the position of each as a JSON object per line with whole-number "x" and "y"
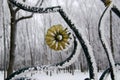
{"x": 12, "y": 44}
{"x": 12, "y": 40}
{"x": 13, "y": 34}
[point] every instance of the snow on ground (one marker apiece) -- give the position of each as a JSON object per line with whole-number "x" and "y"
{"x": 1, "y": 75}
{"x": 67, "y": 76}
{"x": 60, "y": 76}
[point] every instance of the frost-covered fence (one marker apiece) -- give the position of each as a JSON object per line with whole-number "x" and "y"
{"x": 85, "y": 45}
{"x": 83, "y": 41}
{"x": 109, "y": 6}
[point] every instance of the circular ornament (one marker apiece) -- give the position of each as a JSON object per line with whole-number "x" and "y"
{"x": 57, "y": 37}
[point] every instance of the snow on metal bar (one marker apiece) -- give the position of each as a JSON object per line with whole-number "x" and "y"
{"x": 114, "y": 8}
{"x": 107, "y": 72}
{"x": 85, "y": 45}
{"x": 72, "y": 58}
{"x": 29, "y": 69}
{"x": 29, "y": 8}
{"x": 105, "y": 44}
{"x": 16, "y": 73}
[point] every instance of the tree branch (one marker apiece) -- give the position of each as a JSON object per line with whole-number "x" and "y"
{"x": 27, "y": 17}
{"x": 24, "y": 17}
{"x": 10, "y": 7}
{"x": 40, "y": 3}
{"x": 16, "y": 10}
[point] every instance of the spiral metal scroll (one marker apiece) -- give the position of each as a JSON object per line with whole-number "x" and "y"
{"x": 78, "y": 35}
{"x": 58, "y": 65}
{"x": 84, "y": 42}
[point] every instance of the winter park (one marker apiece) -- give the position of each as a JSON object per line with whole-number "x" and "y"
{"x": 59, "y": 39}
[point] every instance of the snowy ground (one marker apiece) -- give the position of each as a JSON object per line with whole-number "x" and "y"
{"x": 1, "y": 75}
{"x": 61, "y": 76}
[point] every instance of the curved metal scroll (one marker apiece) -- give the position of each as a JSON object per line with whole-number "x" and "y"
{"x": 35, "y": 9}
{"x": 58, "y": 65}
{"x": 84, "y": 43}
{"x": 107, "y": 71}
{"x": 70, "y": 57}
{"x": 105, "y": 45}
{"x": 86, "y": 47}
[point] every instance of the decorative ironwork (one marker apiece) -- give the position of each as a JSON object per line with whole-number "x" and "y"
{"x": 57, "y": 65}
{"x": 112, "y": 70}
{"x": 114, "y": 8}
{"x": 59, "y": 37}
{"x": 86, "y": 48}
{"x": 33, "y": 8}
{"x": 84, "y": 43}
{"x": 105, "y": 46}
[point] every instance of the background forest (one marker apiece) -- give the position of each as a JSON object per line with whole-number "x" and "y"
{"x": 31, "y": 48}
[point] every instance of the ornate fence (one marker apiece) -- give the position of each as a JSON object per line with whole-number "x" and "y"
{"x": 61, "y": 37}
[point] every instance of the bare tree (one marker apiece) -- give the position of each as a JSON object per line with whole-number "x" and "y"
{"x": 13, "y": 33}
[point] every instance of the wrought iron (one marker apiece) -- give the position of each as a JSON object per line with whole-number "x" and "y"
{"x": 112, "y": 70}
{"x": 86, "y": 47}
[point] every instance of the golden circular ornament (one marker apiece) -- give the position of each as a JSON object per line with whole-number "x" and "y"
{"x": 57, "y": 37}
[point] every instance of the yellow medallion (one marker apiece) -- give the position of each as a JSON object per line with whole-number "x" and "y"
{"x": 57, "y": 37}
